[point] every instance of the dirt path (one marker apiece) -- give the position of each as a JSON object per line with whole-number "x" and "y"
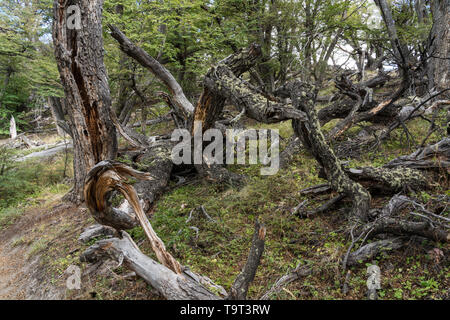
{"x": 12, "y": 272}
{"x": 23, "y": 246}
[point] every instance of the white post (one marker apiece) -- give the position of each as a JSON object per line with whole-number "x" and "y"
{"x": 12, "y": 128}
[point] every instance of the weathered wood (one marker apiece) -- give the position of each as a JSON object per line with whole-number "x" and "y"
{"x": 436, "y": 156}
{"x": 171, "y": 285}
{"x": 388, "y": 181}
{"x": 48, "y": 152}
{"x": 241, "y": 93}
{"x": 79, "y": 56}
{"x": 12, "y": 128}
{"x": 398, "y": 226}
{"x": 135, "y": 139}
{"x": 158, "y": 161}
{"x": 240, "y": 286}
{"x": 303, "y": 97}
{"x": 299, "y": 272}
{"x": 211, "y": 103}
{"x": 95, "y": 231}
{"x": 388, "y": 220}
{"x": 107, "y": 176}
{"x": 371, "y": 250}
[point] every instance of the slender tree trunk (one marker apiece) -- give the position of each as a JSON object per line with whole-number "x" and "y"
{"x": 55, "y": 115}
{"x": 9, "y": 72}
{"x": 400, "y": 50}
{"x": 419, "y": 7}
{"x": 439, "y": 46}
{"x": 79, "y": 55}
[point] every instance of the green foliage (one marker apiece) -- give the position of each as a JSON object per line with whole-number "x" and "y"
{"x": 21, "y": 182}
{"x": 28, "y": 72}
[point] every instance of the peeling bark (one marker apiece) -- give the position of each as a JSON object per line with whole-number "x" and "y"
{"x": 107, "y": 176}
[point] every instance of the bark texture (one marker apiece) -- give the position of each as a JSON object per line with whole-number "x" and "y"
{"x": 303, "y": 97}
{"x": 107, "y": 176}
{"x": 211, "y": 103}
{"x": 439, "y": 46}
{"x": 79, "y": 55}
{"x": 171, "y": 285}
{"x": 243, "y": 280}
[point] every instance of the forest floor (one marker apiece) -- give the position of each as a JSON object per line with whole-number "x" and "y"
{"x": 39, "y": 232}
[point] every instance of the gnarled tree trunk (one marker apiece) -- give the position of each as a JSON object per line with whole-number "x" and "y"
{"x": 79, "y": 55}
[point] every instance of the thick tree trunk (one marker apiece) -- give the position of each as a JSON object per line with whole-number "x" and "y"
{"x": 79, "y": 55}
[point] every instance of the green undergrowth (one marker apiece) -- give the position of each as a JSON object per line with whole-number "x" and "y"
{"x": 219, "y": 248}
{"x": 23, "y": 184}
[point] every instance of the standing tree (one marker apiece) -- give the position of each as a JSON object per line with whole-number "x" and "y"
{"x": 79, "y": 55}
{"x": 439, "y": 45}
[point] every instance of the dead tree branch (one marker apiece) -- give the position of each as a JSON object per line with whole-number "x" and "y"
{"x": 184, "y": 106}
{"x": 240, "y": 286}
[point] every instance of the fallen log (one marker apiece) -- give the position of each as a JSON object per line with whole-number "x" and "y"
{"x": 303, "y": 97}
{"x": 171, "y": 285}
{"x": 170, "y": 279}
{"x": 387, "y": 221}
{"x": 436, "y": 156}
{"x": 413, "y": 172}
{"x": 389, "y": 181}
{"x": 95, "y": 231}
{"x": 371, "y": 250}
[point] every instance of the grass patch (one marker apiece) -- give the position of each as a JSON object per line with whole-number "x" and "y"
{"x": 21, "y": 184}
